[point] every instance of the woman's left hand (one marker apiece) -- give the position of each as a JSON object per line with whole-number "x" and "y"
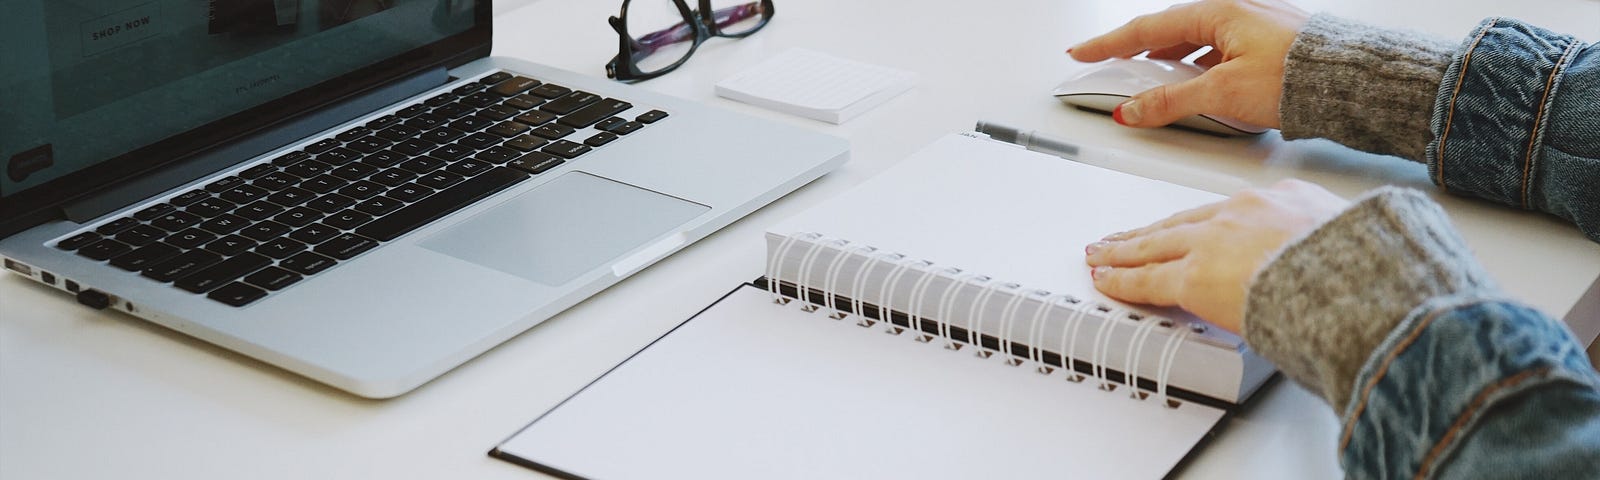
{"x": 1203, "y": 259}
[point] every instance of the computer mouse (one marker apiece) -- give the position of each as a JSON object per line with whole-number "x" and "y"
{"x": 1104, "y": 86}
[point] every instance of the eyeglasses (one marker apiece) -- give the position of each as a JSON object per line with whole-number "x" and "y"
{"x": 660, "y": 50}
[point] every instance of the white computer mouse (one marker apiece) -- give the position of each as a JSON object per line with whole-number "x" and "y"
{"x": 1104, "y": 86}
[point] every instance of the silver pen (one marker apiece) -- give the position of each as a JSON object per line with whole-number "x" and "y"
{"x": 1031, "y": 140}
{"x": 1114, "y": 159}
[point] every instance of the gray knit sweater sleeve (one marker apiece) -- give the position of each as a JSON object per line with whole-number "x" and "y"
{"x": 1324, "y": 303}
{"x": 1368, "y": 88}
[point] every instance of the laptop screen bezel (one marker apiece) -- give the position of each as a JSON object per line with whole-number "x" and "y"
{"x": 25, "y": 209}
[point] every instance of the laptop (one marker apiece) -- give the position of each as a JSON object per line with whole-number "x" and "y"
{"x": 353, "y": 191}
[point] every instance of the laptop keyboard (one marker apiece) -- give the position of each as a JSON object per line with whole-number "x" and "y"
{"x": 268, "y": 226}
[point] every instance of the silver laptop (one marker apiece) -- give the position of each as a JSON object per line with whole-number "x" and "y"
{"x": 362, "y": 196}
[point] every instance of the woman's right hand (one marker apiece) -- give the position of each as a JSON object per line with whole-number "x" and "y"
{"x": 1249, "y": 40}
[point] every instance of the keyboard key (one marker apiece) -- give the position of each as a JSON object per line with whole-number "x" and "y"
{"x": 523, "y": 102}
{"x": 440, "y": 180}
{"x": 355, "y": 171}
{"x": 339, "y": 156}
{"x": 566, "y": 149}
{"x": 345, "y": 246}
{"x": 346, "y": 220}
{"x": 273, "y": 278}
{"x": 440, "y": 99}
{"x": 307, "y": 263}
{"x": 609, "y": 123}
{"x": 276, "y": 181}
{"x": 214, "y": 276}
{"x": 427, "y": 122}
{"x": 140, "y": 235}
{"x": 479, "y": 141}
{"x": 224, "y": 224}
{"x": 570, "y": 102}
{"x": 175, "y": 221}
{"x": 383, "y": 158}
{"x": 471, "y": 123}
{"x": 398, "y": 133}
{"x": 498, "y": 112}
{"x": 190, "y": 239}
{"x": 362, "y": 189}
{"x": 244, "y": 194}
{"x": 322, "y": 146}
{"x": 117, "y": 225}
{"x": 410, "y": 192}
{"x": 237, "y": 294}
{"x": 494, "y": 78}
{"x": 145, "y": 257}
{"x": 330, "y": 203}
{"x": 526, "y": 143}
{"x": 468, "y": 167}
{"x": 514, "y": 86}
{"x": 369, "y": 144}
{"x": 599, "y": 139}
{"x": 298, "y": 217}
{"x": 181, "y": 265}
{"x": 651, "y": 116}
{"x": 290, "y": 158}
{"x": 210, "y": 207}
{"x": 440, "y": 204}
{"x": 599, "y": 111}
{"x": 190, "y": 197}
{"x": 535, "y": 118}
{"x": 412, "y": 111}
{"x": 104, "y": 249}
{"x": 227, "y": 183}
{"x": 383, "y": 122}
{"x": 413, "y": 147}
{"x": 314, "y": 233}
{"x": 423, "y": 165}
{"x": 452, "y": 110}
{"x": 78, "y": 241}
{"x": 352, "y": 134}
{"x": 323, "y": 184}
{"x": 442, "y": 135}
{"x": 451, "y": 152}
{"x": 550, "y": 90}
{"x": 308, "y": 169}
{"x": 553, "y": 131}
{"x": 536, "y": 162}
{"x": 508, "y": 129}
{"x": 392, "y": 177}
{"x": 480, "y": 100}
{"x": 265, "y": 231}
{"x": 292, "y": 196}
{"x": 230, "y": 245}
{"x": 497, "y": 155}
{"x": 378, "y": 205}
{"x": 280, "y": 248}
{"x": 626, "y": 128}
{"x": 257, "y": 171}
{"x": 258, "y": 211}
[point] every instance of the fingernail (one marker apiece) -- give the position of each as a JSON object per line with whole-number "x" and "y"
{"x": 1127, "y": 113}
{"x": 1069, "y": 49}
{"x": 1099, "y": 272}
{"x": 1093, "y": 247}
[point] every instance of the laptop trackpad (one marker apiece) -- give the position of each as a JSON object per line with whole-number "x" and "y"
{"x": 564, "y": 228}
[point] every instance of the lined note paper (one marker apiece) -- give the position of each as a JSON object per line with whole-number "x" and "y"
{"x": 816, "y": 85}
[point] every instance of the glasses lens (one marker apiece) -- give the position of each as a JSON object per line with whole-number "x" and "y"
{"x": 737, "y": 17}
{"x": 660, "y": 35}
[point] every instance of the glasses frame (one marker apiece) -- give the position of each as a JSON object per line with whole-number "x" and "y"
{"x": 625, "y": 66}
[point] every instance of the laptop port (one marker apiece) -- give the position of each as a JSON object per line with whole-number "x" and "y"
{"x": 14, "y": 266}
{"x": 47, "y": 277}
{"x": 72, "y": 286}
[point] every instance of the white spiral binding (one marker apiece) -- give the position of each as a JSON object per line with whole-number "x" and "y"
{"x": 1069, "y": 347}
{"x": 1036, "y": 331}
{"x": 1008, "y": 315}
{"x": 1102, "y": 347}
{"x": 891, "y": 286}
{"x": 974, "y": 325}
{"x": 806, "y": 264}
{"x": 946, "y": 301}
{"x": 831, "y": 285}
{"x": 859, "y": 287}
{"x": 776, "y": 263}
{"x": 919, "y": 293}
{"x": 1134, "y": 355}
{"x": 1169, "y": 354}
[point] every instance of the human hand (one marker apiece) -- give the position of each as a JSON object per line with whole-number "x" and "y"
{"x": 1249, "y": 40}
{"x": 1202, "y": 259}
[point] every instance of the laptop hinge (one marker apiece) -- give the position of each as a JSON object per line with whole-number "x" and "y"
{"x": 202, "y": 164}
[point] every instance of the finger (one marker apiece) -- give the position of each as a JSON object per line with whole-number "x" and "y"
{"x": 1169, "y": 103}
{"x": 1158, "y": 247}
{"x": 1193, "y": 215}
{"x": 1177, "y": 52}
{"x": 1155, "y": 284}
{"x": 1175, "y": 26}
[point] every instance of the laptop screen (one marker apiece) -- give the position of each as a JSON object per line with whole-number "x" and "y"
{"x": 87, "y": 81}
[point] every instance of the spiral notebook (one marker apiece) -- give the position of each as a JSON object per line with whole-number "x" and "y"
{"x": 935, "y": 322}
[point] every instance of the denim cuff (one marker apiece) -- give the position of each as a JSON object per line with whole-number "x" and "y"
{"x": 1427, "y": 389}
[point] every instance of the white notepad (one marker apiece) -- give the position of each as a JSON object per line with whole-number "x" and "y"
{"x": 816, "y": 85}
{"x": 908, "y": 333}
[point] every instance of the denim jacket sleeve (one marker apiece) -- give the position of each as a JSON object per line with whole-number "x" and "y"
{"x": 1517, "y": 121}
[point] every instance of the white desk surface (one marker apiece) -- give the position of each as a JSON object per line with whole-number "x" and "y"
{"x": 87, "y": 394}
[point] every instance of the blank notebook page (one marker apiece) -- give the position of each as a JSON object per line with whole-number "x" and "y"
{"x": 751, "y": 389}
